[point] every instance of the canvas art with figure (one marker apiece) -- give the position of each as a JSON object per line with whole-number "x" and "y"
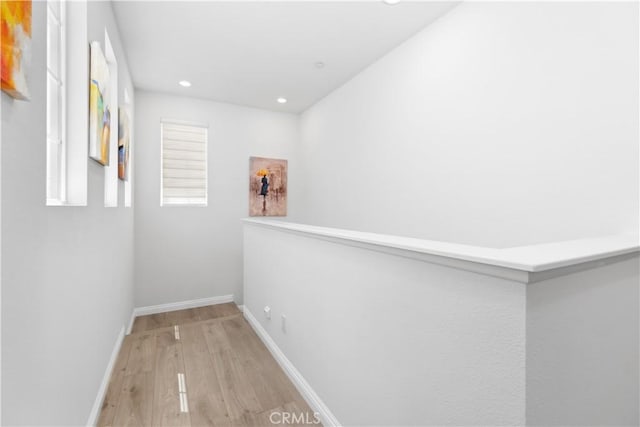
{"x": 99, "y": 107}
{"x": 268, "y": 187}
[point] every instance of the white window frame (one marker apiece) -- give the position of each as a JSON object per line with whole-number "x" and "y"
{"x": 59, "y": 140}
{"x": 70, "y": 169}
{"x": 196, "y": 202}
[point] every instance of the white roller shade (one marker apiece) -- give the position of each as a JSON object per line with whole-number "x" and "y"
{"x": 184, "y": 164}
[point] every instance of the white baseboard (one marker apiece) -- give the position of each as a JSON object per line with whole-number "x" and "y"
{"x": 241, "y": 308}
{"x": 131, "y": 320}
{"x": 314, "y": 401}
{"x": 102, "y": 391}
{"x": 173, "y": 306}
{"x": 181, "y": 305}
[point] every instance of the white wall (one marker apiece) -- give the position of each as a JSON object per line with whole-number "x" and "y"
{"x": 185, "y": 253}
{"x": 501, "y": 124}
{"x": 386, "y": 340}
{"x": 583, "y": 348}
{"x": 67, "y": 276}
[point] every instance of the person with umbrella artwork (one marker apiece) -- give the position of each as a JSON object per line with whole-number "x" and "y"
{"x": 264, "y": 190}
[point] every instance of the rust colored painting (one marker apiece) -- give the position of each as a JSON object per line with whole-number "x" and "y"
{"x": 15, "y": 46}
{"x": 267, "y": 187}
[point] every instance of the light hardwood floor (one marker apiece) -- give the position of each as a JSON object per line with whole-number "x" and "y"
{"x": 230, "y": 377}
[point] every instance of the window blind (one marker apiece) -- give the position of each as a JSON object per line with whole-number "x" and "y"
{"x": 184, "y": 164}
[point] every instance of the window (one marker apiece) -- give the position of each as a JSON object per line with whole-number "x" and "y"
{"x": 184, "y": 164}
{"x": 56, "y": 103}
{"x": 67, "y": 106}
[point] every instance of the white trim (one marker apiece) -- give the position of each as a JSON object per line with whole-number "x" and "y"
{"x": 523, "y": 264}
{"x": 181, "y": 305}
{"x": 76, "y": 104}
{"x": 131, "y": 320}
{"x": 60, "y": 79}
{"x": 241, "y": 307}
{"x": 102, "y": 391}
{"x": 312, "y": 398}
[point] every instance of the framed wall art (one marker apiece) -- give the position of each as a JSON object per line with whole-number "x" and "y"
{"x": 123, "y": 145}
{"x": 99, "y": 106}
{"x": 15, "y": 47}
{"x": 267, "y": 187}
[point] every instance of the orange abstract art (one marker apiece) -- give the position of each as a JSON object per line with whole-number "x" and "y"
{"x": 15, "y": 45}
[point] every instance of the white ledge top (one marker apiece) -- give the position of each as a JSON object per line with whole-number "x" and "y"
{"x": 529, "y": 259}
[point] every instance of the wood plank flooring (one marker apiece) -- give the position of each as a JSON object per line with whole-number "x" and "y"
{"x": 230, "y": 378}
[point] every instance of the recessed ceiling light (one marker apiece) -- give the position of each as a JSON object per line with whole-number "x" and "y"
{"x": 319, "y": 64}
{"x": 391, "y": 2}
{"x": 282, "y": 100}
{"x": 184, "y": 83}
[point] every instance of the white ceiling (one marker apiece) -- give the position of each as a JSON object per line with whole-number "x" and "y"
{"x": 251, "y": 53}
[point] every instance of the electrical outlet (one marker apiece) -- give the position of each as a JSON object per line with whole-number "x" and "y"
{"x": 284, "y": 323}
{"x": 267, "y": 312}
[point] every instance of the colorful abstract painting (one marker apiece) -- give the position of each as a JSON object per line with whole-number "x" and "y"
{"x": 267, "y": 187}
{"x": 123, "y": 145}
{"x": 15, "y": 46}
{"x": 99, "y": 106}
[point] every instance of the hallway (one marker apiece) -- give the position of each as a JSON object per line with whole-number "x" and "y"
{"x": 383, "y": 213}
{"x": 198, "y": 367}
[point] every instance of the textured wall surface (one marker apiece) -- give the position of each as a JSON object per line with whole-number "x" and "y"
{"x": 583, "y": 333}
{"x": 385, "y": 340}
